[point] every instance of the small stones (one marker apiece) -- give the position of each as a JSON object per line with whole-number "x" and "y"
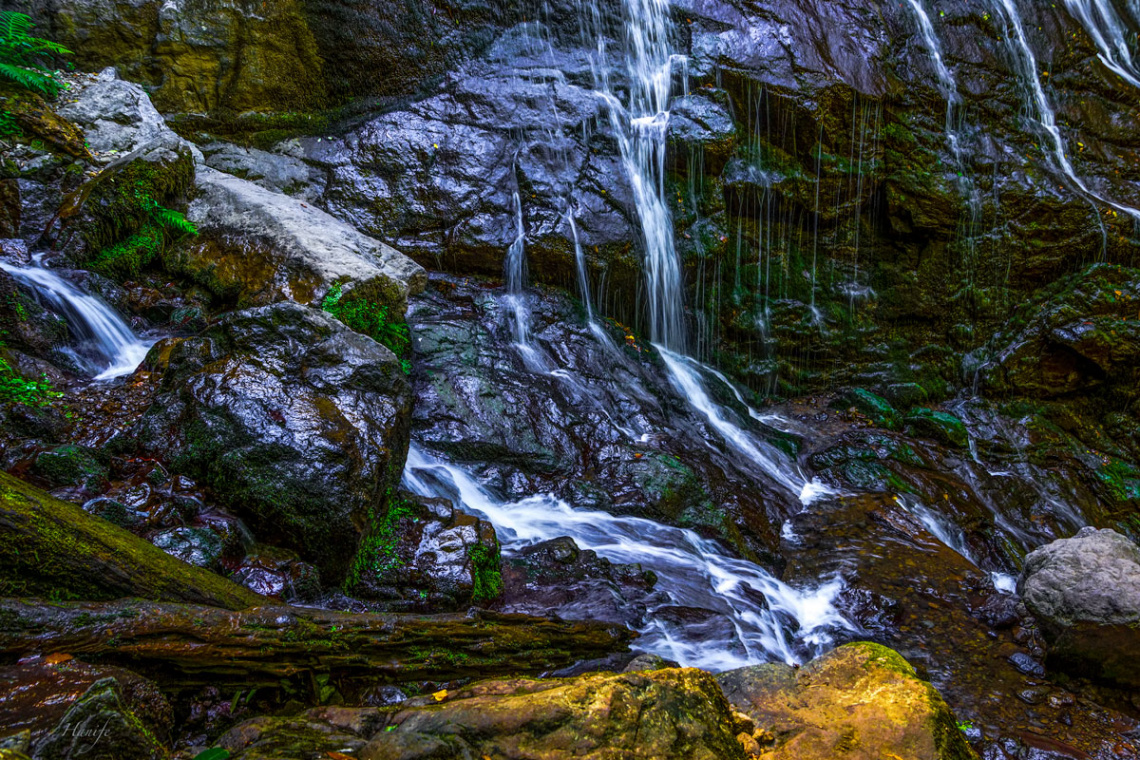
{"x": 1026, "y": 664}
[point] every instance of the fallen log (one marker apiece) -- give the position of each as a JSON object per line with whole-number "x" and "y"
{"x": 52, "y": 548}
{"x": 188, "y": 646}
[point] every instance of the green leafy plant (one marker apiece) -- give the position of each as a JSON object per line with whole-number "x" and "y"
{"x": 16, "y": 389}
{"x": 126, "y": 257}
{"x": 371, "y": 319}
{"x": 23, "y": 58}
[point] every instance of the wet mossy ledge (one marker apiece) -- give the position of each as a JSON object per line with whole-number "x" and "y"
{"x": 52, "y": 548}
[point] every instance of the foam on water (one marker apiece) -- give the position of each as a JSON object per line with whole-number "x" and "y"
{"x": 764, "y": 618}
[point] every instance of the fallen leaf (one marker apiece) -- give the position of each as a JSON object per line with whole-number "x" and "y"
{"x": 439, "y": 696}
{"x": 57, "y": 658}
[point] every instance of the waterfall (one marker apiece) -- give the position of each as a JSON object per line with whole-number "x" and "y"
{"x": 516, "y": 277}
{"x": 945, "y": 78}
{"x": 639, "y": 127}
{"x": 1111, "y": 35}
{"x": 580, "y": 262}
{"x": 683, "y": 375}
{"x": 766, "y": 619}
{"x": 1026, "y": 62}
{"x": 106, "y": 346}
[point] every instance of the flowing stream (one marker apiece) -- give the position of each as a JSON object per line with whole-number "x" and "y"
{"x": 105, "y": 347}
{"x": 763, "y": 618}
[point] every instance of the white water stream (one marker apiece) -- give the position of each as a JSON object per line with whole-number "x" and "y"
{"x": 106, "y": 346}
{"x": 1109, "y": 30}
{"x": 763, "y": 618}
{"x": 1027, "y": 69}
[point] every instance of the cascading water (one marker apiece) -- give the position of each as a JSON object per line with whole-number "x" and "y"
{"x": 766, "y": 619}
{"x": 1109, "y": 30}
{"x": 1026, "y": 63}
{"x": 106, "y": 346}
{"x": 516, "y": 278}
{"x": 945, "y": 78}
{"x": 687, "y": 382}
{"x": 640, "y": 127}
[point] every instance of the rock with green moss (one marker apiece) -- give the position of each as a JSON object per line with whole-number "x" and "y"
{"x": 861, "y": 700}
{"x": 71, "y": 465}
{"x": 196, "y": 55}
{"x": 299, "y": 425}
{"x": 99, "y": 726}
{"x": 941, "y": 426}
{"x": 874, "y": 407}
{"x": 423, "y": 554}
{"x": 53, "y": 548}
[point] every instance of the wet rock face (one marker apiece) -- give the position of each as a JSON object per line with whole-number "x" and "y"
{"x": 198, "y": 56}
{"x": 860, "y": 700}
{"x": 611, "y": 433}
{"x": 424, "y": 555}
{"x": 299, "y": 425}
{"x": 556, "y": 577}
{"x": 1085, "y": 593}
{"x": 38, "y": 693}
{"x": 439, "y": 179}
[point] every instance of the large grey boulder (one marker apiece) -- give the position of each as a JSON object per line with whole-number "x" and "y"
{"x": 116, "y": 116}
{"x": 1085, "y": 593}
{"x": 299, "y": 425}
{"x": 261, "y": 246}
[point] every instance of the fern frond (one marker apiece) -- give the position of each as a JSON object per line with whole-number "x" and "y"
{"x": 173, "y": 220}
{"x": 35, "y": 81}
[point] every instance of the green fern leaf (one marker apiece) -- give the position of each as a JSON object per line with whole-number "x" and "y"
{"x": 173, "y": 221}
{"x": 35, "y": 81}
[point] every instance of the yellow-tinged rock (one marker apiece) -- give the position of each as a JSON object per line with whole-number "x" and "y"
{"x": 861, "y": 701}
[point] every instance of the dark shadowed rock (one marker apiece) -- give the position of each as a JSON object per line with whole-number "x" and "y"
{"x": 298, "y": 424}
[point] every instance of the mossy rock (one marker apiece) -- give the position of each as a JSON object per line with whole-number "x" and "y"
{"x": 71, "y": 465}
{"x": 941, "y": 426}
{"x": 54, "y": 549}
{"x": 858, "y": 701}
{"x": 118, "y": 214}
{"x": 874, "y": 407}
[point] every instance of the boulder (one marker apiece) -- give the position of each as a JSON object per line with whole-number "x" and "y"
{"x": 116, "y": 116}
{"x": 941, "y": 426}
{"x": 558, "y": 577}
{"x": 274, "y": 171}
{"x": 298, "y": 424}
{"x": 258, "y": 246}
{"x": 100, "y": 726}
{"x": 861, "y": 701}
{"x": 1084, "y": 592}
{"x": 663, "y": 714}
{"x": 423, "y": 554}
{"x": 40, "y": 690}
